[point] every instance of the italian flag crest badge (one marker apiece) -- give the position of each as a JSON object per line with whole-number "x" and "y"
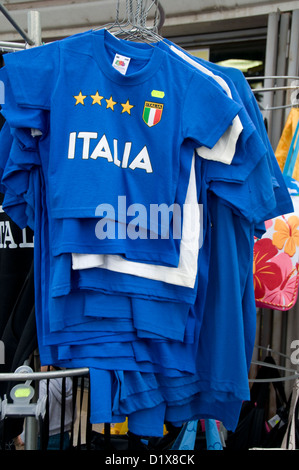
{"x": 152, "y": 113}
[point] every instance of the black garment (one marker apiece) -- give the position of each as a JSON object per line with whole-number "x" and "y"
{"x": 20, "y": 341}
{"x": 16, "y": 255}
{"x": 17, "y": 317}
{"x": 19, "y": 336}
{"x": 252, "y": 430}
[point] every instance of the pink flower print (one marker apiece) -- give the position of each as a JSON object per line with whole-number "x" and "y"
{"x": 285, "y": 294}
{"x": 265, "y": 272}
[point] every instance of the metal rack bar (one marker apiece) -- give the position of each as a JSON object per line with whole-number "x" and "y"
{"x": 273, "y": 108}
{"x": 10, "y": 49}
{"x": 34, "y": 31}
{"x": 276, "y": 88}
{"x": 273, "y": 77}
{"x": 280, "y": 379}
{"x": 275, "y": 366}
{"x": 43, "y": 375}
{"x": 15, "y": 25}
{"x": 15, "y": 45}
{"x": 34, "y": 27}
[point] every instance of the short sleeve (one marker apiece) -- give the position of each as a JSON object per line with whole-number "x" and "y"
{"x": 15, "y": 207}
{"x": 207, "y": 111}
{"x": 16, "y": 116}
{"x": 6, "y": 140}
{"x": 33, "y": 74}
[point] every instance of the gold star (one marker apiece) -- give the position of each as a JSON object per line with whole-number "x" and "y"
{"x": 111, "y": 103}
{"x": 127, "y": 107}
{"x": 80, "y": 98}
{"x": 97, "y": 98}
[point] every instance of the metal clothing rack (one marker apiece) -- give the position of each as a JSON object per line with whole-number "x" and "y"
{"x": 33, "y": 38}
{"x": 281, "y": 65}
{"x": 15, "y": 25}
{"x": 291, "y": 87}
{"x": 281, "y": 107}
{"x": 293, "y": 373}
{"x": 24, "y": 403}
{"x": 57, "y": 374}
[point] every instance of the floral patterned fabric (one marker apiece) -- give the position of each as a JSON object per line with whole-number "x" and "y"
{"x": 276, "y": 261}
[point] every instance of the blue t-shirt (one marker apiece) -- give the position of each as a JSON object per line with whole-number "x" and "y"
{"x": 253, "y": 197}
{"x": 117, "y": 141}
{"x": 68, "y": 310}
{"x": 229, "y": 312}
{"x": 74, "y": 234}
{"x": 122, "y": 353}
{"x": 179, "y": 394}
{"x": 263, "y": 193}
{"x": 95, "y": 279}
{"x": 51, "y": 355}
{"x": 212, "y": 406}
{"x": 283, "y": 201}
